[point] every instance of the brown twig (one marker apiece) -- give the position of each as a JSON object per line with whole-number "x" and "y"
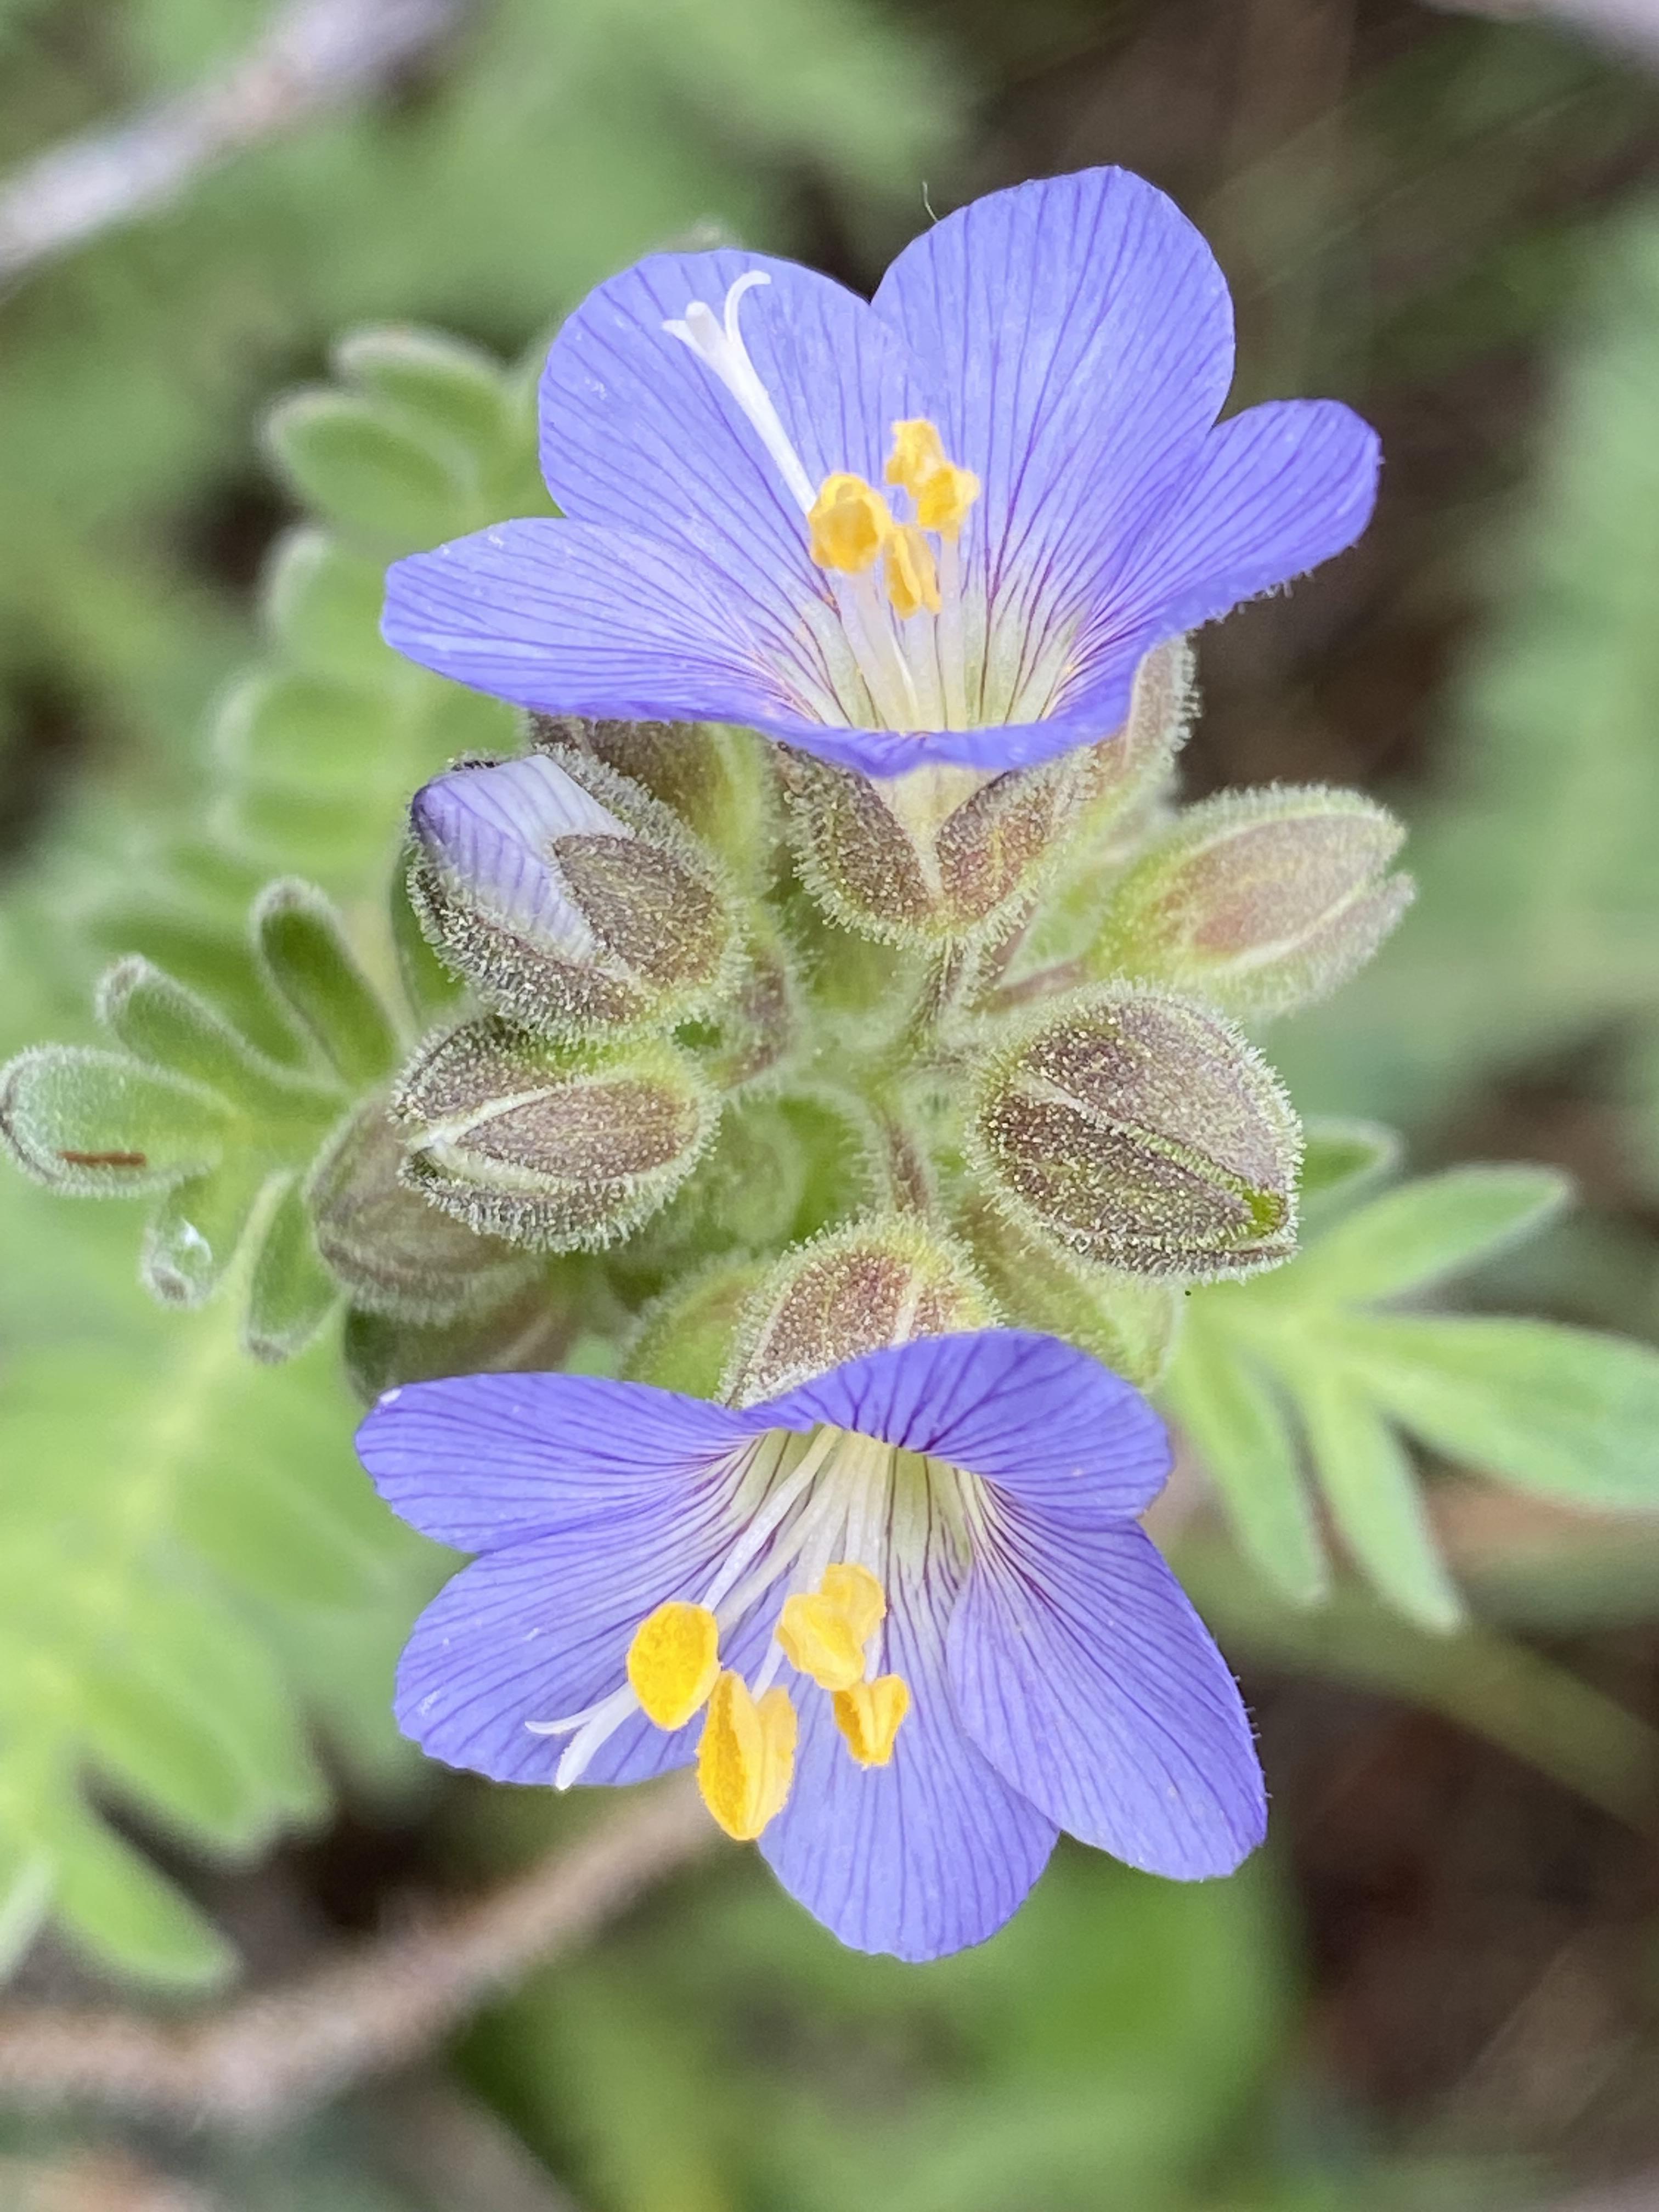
{"x": 268, "y": 2057}
{"x": 314, "y": 55}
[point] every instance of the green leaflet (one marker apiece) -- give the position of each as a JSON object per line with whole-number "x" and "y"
{"x": 369, "y": 468}
{"x": 173, "y": 1492}
{"x": 1415, "y": 1236}
{"x": 1234, "y": 1417}
{"x": 1294, "y": 1369}
{"x": 291, "y": 1294}
{"x": 1340, "y": 1158}
{"x": 193, "y": 1111}
{"x": 312, "y": 968}
{"x": 1566, "y": 1412}
{"x": 101, "y": 1124}
{"x": 1365, "y": 1472}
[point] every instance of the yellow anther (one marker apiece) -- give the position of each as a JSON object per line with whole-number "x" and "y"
{"x": 850, "y": 521}
{"x": 868, "y": 1715}
{"x": 855, "y": 1590}
{"x": 918, "y": 450}
{"x": 823, "y": 1634}
{"x": 943, "y": 493}
{"x": 818, "y": 1640}
{"x": 911, "y": 572}
{"x": 746, "y": 1759}
{"x": 943, "y": 501}
{"x": 673, "y": 1661}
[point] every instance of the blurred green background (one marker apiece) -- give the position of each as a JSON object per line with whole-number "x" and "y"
{"x": 1439, "y": 1987}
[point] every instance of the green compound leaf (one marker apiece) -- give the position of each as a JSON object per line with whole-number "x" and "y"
{"x": 1568, "y": 1413}
{"x": 1293, "y": 1371}
{"x": 311, "y": 755}
{"x": 1435, "y": 1226}
{"x": 175, "y": 1493}
{"x": 224, "y": 1133}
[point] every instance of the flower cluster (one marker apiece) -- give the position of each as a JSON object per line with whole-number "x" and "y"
{"x": 888, "y": 1073}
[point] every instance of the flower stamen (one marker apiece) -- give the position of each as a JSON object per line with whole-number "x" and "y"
{"x": 800, "y": 1532}
{"x": 910, "y": 572}
{"x": 850, "y": 522}
{"x": 673, "y": 1661}
{"x": 868, "y": 1715}
{"x": 823, "y": 1634}
{"x": 746, "y": 1759}
{"x": 943, "y": 492}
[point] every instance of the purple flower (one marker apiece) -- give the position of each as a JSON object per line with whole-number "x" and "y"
{"x": 943, "y": 526}
{"x": 935, "y": 1545}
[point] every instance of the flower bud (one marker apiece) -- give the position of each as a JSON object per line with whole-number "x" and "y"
{"x": 941, "y": 852}
{"x": 1258, "y": 900}
{"x": 562, "y": 1149}
{"x": 1129, "y": 778}
{"x": 395, "y": 1253}
{"x": 1139, "y": 1131}
{"x": 569, "y": 901}
{"x": 852, "y": 1291}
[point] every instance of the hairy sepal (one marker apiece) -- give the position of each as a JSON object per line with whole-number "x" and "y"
{"x": 659, "y": 912}
{"x": 684, "y": 1339}
{"x": 1139, "y": 1131}
{"x": 717, "y": 780}
{"x": 940, "y": 855}
{"x": 851, "y": 1290}
{"x": 1131, "y": 1322}
{"x": 1258, "y": 902}
{"x": 556, "y": 1148}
